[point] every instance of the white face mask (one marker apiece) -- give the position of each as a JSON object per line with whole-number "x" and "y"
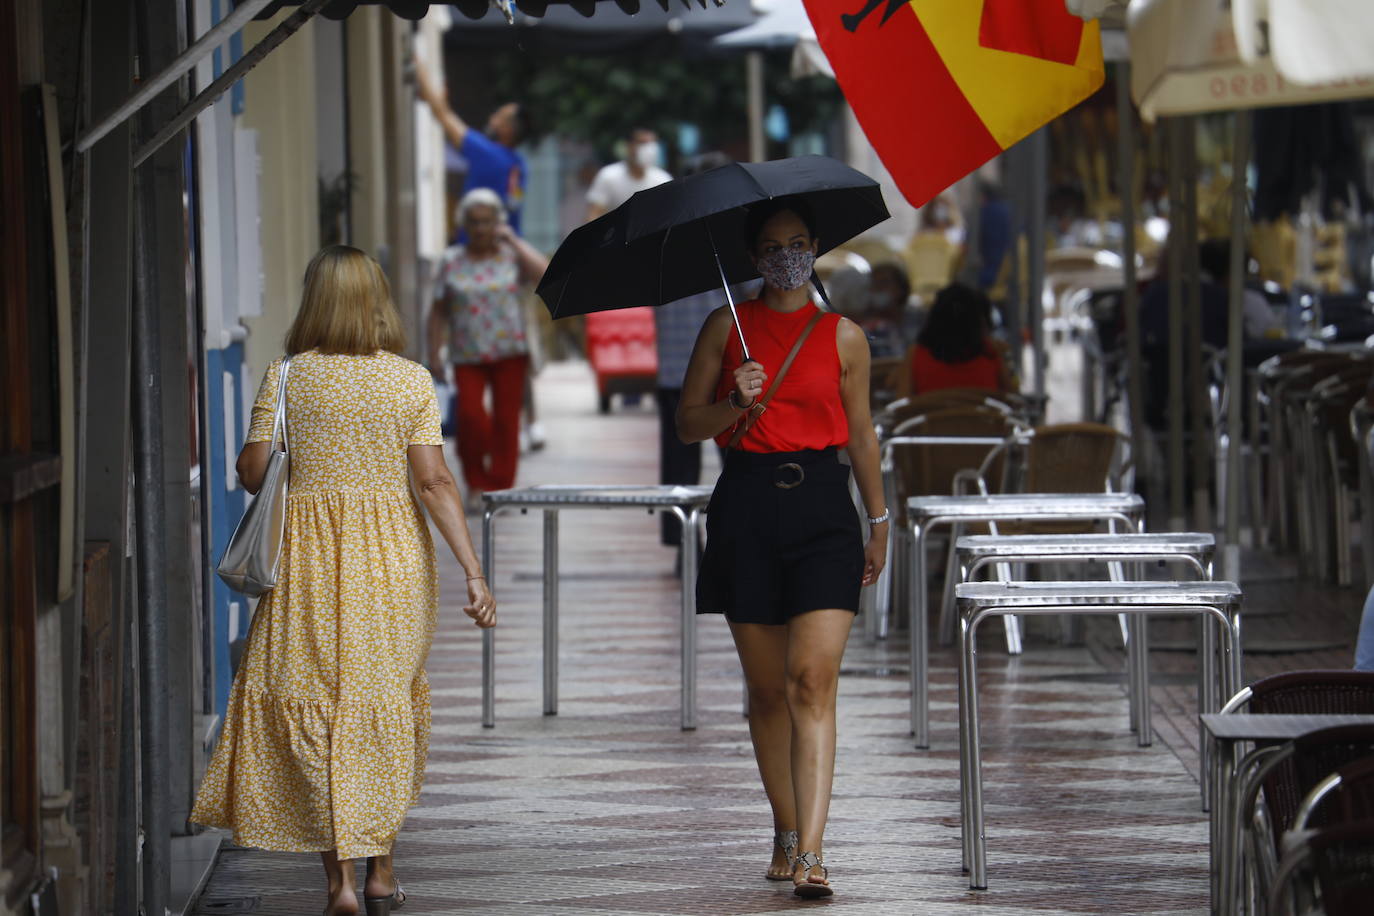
{"x": 647, "y": 154}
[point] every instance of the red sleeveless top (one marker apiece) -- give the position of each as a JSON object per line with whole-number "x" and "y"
{"x": 806, "y": 412}
{"x": 930, "y": 374}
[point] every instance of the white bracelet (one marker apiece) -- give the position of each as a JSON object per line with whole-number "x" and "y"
{"x": 879, "y": 519}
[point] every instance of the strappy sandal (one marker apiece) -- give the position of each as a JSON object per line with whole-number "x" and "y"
{"x": 807, "y": 888}
{"x": 786, "y": 840}
{"x": 381, "y": 906}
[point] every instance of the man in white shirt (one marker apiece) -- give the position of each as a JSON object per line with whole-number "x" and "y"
{"x": 617, "y": 182}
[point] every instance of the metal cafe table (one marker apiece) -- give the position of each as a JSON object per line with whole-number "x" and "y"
{"x": 1230, "y": 732}
{"x": 980, "y": 600}
{"x": 925, "y": 513}
{"x": 687, "y": 503}
{"x": 1195, "y": 550}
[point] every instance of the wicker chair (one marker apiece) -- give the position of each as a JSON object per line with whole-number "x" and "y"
{"x": 1327, "y": 871}
{"x": 1343, "y": 796}
{"x": 1060, "y": 458}
{"x": 1287, "y": 773}
{"x": 1310, "y": 692}
{"x": 919, "y": 459}
{"x": 903, "y": 409}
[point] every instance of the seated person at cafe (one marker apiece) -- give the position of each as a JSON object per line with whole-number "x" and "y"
{"x": 885, "y": 318}
{"x": 955, "y": 348}
{"x": 1214, "y": 262}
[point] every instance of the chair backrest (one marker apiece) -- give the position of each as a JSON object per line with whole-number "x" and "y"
{"x": 1311, "y": 692}
{"x": 1343, "y": 859}
{"x": 1351, "y": 798}
{"x": 1314, "y": 757}
{"x": 1076, "y": 458}
{"x": 929, "y": 469}
{"x": 1314, "y": 691}
{"x": 905, "y": 409}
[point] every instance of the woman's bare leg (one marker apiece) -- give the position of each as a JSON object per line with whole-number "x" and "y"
{"x": 381, "y": 880}
{"x": 815, "y": 646}
{"x": 762, "y": 652}
{"x": 343, "y": 899}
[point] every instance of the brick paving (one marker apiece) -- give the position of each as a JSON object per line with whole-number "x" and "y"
{"x": 610, "y": 808}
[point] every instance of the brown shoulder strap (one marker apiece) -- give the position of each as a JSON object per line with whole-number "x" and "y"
{"x": 758, "y": 407}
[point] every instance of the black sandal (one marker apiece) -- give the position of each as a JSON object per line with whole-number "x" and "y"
{"x": 381, "y": 906}
{"x": 809, "y": 889}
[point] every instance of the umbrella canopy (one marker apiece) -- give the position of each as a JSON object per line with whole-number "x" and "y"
{"x": 476, "y": 9}
{"x": 565, "y": 28}
{"x": 687, "y": 236}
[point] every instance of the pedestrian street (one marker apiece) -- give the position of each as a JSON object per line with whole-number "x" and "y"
{"x": 610, "y": 808}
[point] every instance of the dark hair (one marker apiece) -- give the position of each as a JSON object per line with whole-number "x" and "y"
{"x": 1214, "y": 257}
{"x": 898, "y": 275}
{"x": 956, "y": 329}
{"x": 639, "y": 129}
{"x": 761, "y": 212}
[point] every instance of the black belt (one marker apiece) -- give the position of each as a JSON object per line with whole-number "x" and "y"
{"x": 787, "y": 469}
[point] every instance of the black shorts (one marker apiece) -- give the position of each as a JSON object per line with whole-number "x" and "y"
{"x": 783, "y": 538}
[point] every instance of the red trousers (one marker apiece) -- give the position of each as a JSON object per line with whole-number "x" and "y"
{"x": 489, "y": 444}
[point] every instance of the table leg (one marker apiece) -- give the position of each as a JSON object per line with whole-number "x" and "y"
{"x": 688, "y": 547}
{"x": 947, "y": 623}
{"x": 489, "y": 635}
{"x": 920, "y": 638}
{"x": 550, "y": 612}
{"x": 1207, "y": 690}
{"x": 975, "y": 840}
{"x": 1145, "y": 735}
{"x": 965, "y": 813}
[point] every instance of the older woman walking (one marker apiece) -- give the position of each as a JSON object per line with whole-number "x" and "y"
{"x": 477, "y": 311}
{"x": 327, "y": 730}
{"x": 785, "y": 558}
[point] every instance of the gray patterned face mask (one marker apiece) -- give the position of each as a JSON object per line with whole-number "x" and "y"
{"x": 787, "y": 268}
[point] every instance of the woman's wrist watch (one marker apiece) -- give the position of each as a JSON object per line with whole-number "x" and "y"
{"x": 733, "y": 398}
{"x": 879, "y": 519}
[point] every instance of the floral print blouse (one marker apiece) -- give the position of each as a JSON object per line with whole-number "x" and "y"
{"x": 486, "y": 317}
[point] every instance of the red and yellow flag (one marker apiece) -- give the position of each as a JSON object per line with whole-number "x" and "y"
{"x": 942, "y": 86}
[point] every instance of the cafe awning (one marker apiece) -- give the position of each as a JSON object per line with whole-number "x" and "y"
{"x": 1194, "y": 56}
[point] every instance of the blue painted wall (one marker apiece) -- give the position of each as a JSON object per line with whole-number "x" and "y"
{"x": 223, "y": 368}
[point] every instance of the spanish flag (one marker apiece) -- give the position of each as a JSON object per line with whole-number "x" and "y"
{"x": 942, "y": 86}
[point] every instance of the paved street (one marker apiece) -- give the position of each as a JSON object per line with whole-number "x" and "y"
{"x": 610, "y": 808}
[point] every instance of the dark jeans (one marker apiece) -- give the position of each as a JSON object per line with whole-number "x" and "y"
{"x": 678, "y": 462}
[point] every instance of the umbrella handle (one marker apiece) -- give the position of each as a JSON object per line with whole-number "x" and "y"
{"x": 729, "y": 297}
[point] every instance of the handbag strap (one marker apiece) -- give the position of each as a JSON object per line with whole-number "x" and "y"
{"x": 279, "y": 411}
{"x": 757, "y": 408}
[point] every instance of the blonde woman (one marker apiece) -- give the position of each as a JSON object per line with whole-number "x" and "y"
{"x": 327, "y": 730}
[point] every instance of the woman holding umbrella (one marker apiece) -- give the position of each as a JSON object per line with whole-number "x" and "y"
{"x": 785, "y": 556}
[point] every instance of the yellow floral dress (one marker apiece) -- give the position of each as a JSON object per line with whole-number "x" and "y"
{"x": 327, "y": 729}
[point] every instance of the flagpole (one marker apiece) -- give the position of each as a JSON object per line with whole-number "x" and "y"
{"x": 729, "y": 297}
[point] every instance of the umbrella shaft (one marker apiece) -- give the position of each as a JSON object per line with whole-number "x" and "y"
{"x": 729, "y": 296}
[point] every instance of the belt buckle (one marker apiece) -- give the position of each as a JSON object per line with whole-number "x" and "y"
{"x": 790, "y": 484}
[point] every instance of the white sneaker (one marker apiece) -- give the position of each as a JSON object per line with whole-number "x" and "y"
{"x": 535, "y": 436}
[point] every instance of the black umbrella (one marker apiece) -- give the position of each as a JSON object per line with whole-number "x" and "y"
{"x": 687, "y": 236}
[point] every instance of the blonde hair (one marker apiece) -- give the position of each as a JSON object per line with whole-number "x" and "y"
{"x": 346, "y": 307}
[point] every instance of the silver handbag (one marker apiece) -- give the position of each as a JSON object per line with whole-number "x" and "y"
{"x": 250, "y": 562}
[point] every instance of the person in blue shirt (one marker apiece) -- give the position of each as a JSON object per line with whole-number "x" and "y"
{"x": 492, "y": 159}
